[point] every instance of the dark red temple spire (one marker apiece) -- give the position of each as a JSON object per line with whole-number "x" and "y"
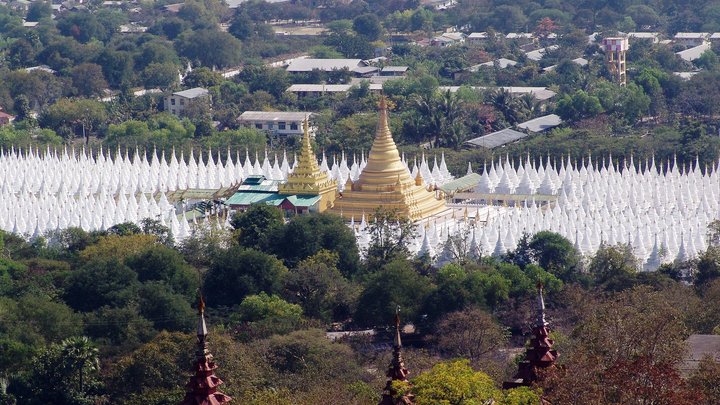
{"x": 396, "y": 371}
{"x": 540, "y": 355}
{"x": 202, "y": 386}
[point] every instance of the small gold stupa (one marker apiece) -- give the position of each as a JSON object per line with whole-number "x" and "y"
{"x": 308, "y": 179}
{"x": 385, "y": 182}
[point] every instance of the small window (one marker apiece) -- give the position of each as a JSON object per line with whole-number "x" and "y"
{"x": 281, "y": 125}
{"x": 172, "y": 111}
{"x": 172, "y": 101}
{"x": 294, "y": 126}
{"x": 182, "y": 101}
{"x": 258, "y": 126}
{"x": 271, "y": 125}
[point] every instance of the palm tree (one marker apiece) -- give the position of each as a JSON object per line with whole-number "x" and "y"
{"x": 80, "y": 355}
{"x": 504, "y": 102}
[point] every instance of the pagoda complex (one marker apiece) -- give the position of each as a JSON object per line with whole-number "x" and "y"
{"x": 539, "y": 356}
{"x": 308, "y": 179}
{"x": 385, "y": 182}
{"x": 202, "y": 388}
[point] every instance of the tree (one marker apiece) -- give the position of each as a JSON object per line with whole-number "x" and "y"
{"x": 577, "y": 106}
{"x": 265, "y": 315}
{"x": 166, "y": 309}
{"x": 390, "y": 234}
{"x": 554, "y": 253}
{"x": 307, "y": 357}
{"x": 102, "y": 281}
{"x": 241, "y": 26}
{"x": 255, "y": 226}
{"x": 368, "y": 25}
{"x": 705, "y": 378}
{"x": 162, "y": 75}
{"x": 38, "y": 10}
{"x": 614, "y": 267}
{"x": 306, "y": 235}
{"x": 88, "y": 80}
{"x": 397, "y": 284}
{"x": 70, "y": 117}
{"x": 161, "y": 263}
{"x": 238, "y": 272}
{"x": 202, "y": 77}
{"x": 66, "y": 373}
{"x": 319, "y": 287}
{"x": 272, "y": 80}
{"x": 210, "y": 47}
{"x": 471, "y": 334}
{"x": 454, "y": 382}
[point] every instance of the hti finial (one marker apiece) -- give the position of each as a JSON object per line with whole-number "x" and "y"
{"x": 541, "y": 322}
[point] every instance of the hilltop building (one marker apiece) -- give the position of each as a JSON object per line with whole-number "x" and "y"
{"x": 177, "y": 102}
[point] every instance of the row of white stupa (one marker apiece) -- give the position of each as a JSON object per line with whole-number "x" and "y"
{"x": 83, "y": 174}
{"x": 44, "y": 191}
{"x": 662, "y": 213}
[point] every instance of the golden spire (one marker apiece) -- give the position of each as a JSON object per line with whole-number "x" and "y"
{"x": 384, "y": 165}
{"x": 307, "y": 178}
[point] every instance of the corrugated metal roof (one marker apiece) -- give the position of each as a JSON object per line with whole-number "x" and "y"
{"x": 330, "y": 88}
{"x": 308, "y": 65}
{"x": 463, "y": 183}
{"x": 499, "y": 138}
{"x": 274, "y": 116}
{"x": 541, "y": 123}
{"x": 249, "y": 198}
{"x": 192, "y": 93}
{"x": 694, "y": 52}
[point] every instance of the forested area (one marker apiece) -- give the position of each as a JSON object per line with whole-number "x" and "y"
{"x": 108, "y": 317}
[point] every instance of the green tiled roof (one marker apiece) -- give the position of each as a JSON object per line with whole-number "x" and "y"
{"x": 463, "y": 183}
{"x": 249, "y": 198}
{"x": 303, "y": 200}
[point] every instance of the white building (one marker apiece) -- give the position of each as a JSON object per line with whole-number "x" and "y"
{"x": 177, "y": 102}
{"x": 283, "y": 123}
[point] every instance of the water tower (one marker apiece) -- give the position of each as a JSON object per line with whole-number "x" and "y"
{"x": 615, "y": 50}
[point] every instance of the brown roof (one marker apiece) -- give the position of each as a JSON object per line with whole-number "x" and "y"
{"x": 699, "y": 346}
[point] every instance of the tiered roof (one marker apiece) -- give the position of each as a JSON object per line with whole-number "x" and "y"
{"x": 202, "y": 388}
{"x": 540, "y": 355}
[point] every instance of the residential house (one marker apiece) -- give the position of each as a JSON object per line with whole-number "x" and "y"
{"x": 285, "y": 123}
{"x": 691, "y": 39}
{"x": 521, "y": 38}
{"x": 315, "y": 90}
{"x": 5, "y": 118}
{"x": 653, "y": 37}
{"x": 715, "y": 38}
{"x": 477, "y": 38}
{"x": 177, "y": 102}
{"x": 448, "y": 39}
{"x": 397, "y": 71}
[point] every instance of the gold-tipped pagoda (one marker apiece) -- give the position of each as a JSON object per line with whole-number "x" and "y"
{"x": 308, "y": 179}
{"x": 385, "y": 182}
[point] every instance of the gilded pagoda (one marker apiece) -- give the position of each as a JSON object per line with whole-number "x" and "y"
{"x": 308, "y": 179}
{"x": 385, "y": 182}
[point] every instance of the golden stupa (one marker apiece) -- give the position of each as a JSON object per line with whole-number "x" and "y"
{"x": 308, "y": 179}
{"x": 385, "y": 182}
